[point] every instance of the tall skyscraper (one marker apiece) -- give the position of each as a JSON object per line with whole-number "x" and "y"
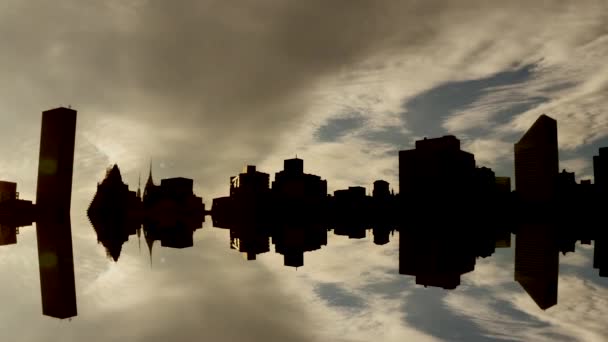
{"x": 53, "y": 228}
{"x": 600, "y": 170}
{"x": 536, "y": 184}
{"x": 56, "y": 161}
{"x": 536, "y": 162}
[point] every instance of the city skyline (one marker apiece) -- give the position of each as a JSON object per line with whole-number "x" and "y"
{"x": 201, "y": 89}
{"x": 436, "y": 177}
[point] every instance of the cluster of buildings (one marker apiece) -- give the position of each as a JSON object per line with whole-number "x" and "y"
{"x": 169, "y": 212}
{"x": 448, "y": 212}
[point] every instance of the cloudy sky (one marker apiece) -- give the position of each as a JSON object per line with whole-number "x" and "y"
{"x": 202, "y": 88}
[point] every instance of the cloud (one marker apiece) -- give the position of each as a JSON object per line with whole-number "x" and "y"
{"x": 203, "y": 87}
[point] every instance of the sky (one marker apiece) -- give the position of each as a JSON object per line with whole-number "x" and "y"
{"x": 202, "y": 88}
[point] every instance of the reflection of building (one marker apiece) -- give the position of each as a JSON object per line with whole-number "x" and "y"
{"x": 537, "y": 263}
{"x": 57, "y": 284}
{"x": 250, "y": 240}
{"x": 435, "y": 256}
{"x": 292, "y": 241}
{"x": 536, "y": 162}
{"x": 600, "y": 254}
{"x": 53, "y": 229}
{"x": 8, "y": 235}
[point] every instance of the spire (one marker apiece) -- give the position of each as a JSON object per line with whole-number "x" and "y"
{"x": 139, "y": 186}
{"x": 150, "y": 180}
{"x": 149, "y": 183}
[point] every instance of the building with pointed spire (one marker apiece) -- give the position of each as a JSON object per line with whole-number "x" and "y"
{"x": 150, "y": 189}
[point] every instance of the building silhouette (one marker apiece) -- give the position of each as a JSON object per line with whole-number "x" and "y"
{"x": 350, "y": 212}
{"x": 298, "y": 194}
{"x": 537, "y": 184}
{"x": 436, "y": 167}
{"x": 250, "y": 201}
{"x": 115, "y": 212}
{"x": 169, "y": 212}
{"x": 435, "y": 182}
{"x": 448, "y": 212}
{"x": 8, "y": 234}
{"x": 250, "y": 183}
{"x": 250, "y": 240}
{"x": 536, "y": 162}
{"x": 53, "y": 227}
{"x": 14, "y": 213}
{"x": 383, "y": 212}
{"x": 600, "y": 170}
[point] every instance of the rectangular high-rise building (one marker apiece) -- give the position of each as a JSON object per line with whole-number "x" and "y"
{"x": 53, "y": 228}
{"x": 600, "y": 170}
{"x": 56, "y": 161}
{"x": 536, "y": 162}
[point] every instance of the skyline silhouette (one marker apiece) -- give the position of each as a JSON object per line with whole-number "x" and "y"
{"x": 449, "y": 212}
{"x": 294, "y": 212}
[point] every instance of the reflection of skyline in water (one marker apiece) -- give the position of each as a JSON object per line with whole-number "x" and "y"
{"x": 453, "y": 214}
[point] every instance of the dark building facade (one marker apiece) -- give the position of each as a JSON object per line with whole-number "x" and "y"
{"x": 14, "y": 213}
{"x": 53, "y": 227}
{"x": 298, "y": 194}
{"x": 172, "y": 212}
{"x": 536, "y": 162}
{"x": 8, "y": 191}
{"x": 250, "y": 182}
{"x": 292, "y": 184}
{"x": 249, "y": 201}
{"x": 436, "y": 169}
{"x": 115, "y": 212}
